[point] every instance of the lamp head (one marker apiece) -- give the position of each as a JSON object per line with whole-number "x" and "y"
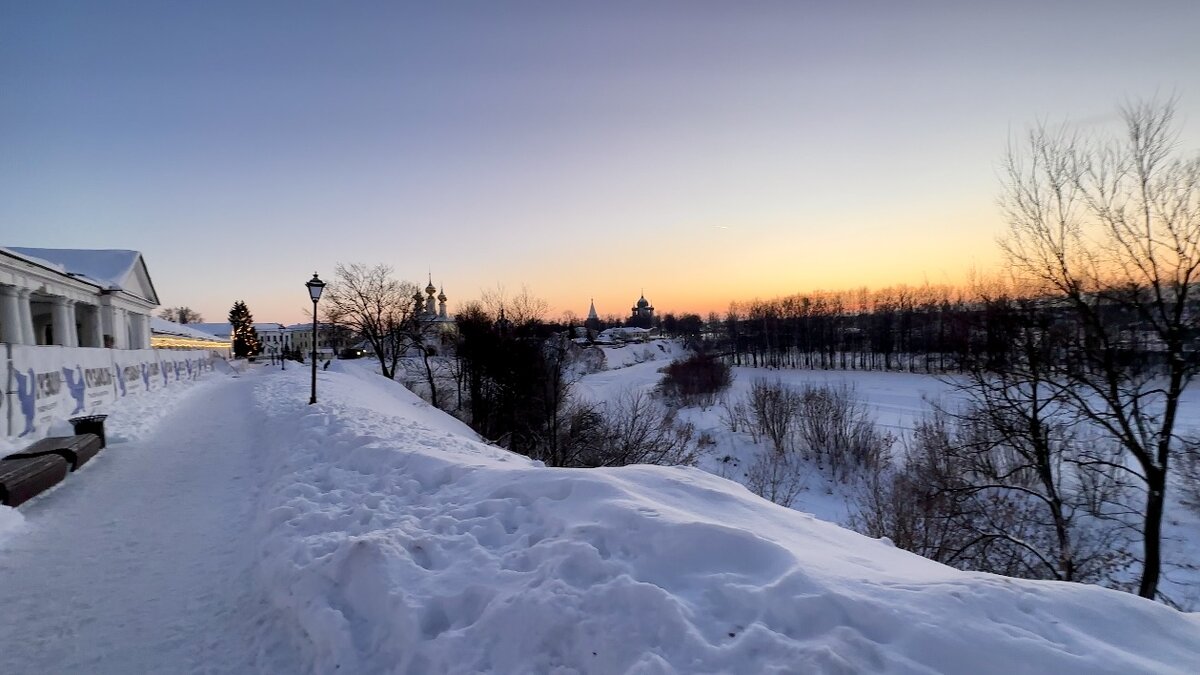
{"x": 315, "y": 286}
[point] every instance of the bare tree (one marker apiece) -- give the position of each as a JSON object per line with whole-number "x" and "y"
{"x": 376, "y": 306}
{"x": 778, "y": 477}
{"x": 979, "y": 492}
{"x": 774, "y": 408}
{"x": 631, "y": 429}
{"x": 181, "y": 315}
{"x": 522, "y": 309}
{"x": 1111, "y": 230}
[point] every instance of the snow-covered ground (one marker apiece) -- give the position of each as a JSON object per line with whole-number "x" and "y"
{"x": 897, "y": 401}
{"x": 143, "y": 561}
{"x": 250, "y": 532}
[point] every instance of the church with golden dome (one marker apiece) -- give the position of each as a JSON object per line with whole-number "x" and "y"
{"x": 433, "y": 307}
{"x": 642, "y": 311}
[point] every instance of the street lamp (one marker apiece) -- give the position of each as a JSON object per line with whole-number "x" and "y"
{"x": 315, "y": 286}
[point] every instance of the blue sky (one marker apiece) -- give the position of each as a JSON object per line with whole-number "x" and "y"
{"x": 703, "y": 151}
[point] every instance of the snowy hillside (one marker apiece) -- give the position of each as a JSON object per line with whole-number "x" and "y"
{"x": 231, "y": 527}
{"x": 395, "y": 542}
{"x": 896, "y": 402}
{"x": 623, "y": 356}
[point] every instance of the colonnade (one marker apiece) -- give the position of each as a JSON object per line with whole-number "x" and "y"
{"x": 71, "y": 323}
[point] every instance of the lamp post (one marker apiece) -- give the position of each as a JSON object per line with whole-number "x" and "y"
{"x": 315, "y": 286}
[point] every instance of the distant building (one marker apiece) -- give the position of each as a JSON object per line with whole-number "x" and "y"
{"x": 433, "y": 307}
{"x": 642, "y": 314}
{"x": 593, "y": 319}
{"x": 170, "y": 335}
{"x": 274, "y": 336}
{"x": 299, "y": 337}
{"x": 623, "y": 334}
{"x": 75, "y": 298}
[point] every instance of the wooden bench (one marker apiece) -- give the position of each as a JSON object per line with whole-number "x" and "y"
{"x": 76, "y": 450}
{"x": 23, "y": 478}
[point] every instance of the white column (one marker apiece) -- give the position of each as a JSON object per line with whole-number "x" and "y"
{"x": 97, "y": 327}
{"x": 72, "y": 325}
{"x": 59, "y": 320}
{"x": 144, "y": 330}
{"x": 127, "y": 330}
{"x": 139, "y": 324}
{"x": 109, "y": 318}
{"x": 23, "y": 299}
{"x": 10, "y": 316}
{"x": 120, "y": 331}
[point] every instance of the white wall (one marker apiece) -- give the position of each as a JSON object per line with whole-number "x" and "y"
{"x": 47, "y": 384}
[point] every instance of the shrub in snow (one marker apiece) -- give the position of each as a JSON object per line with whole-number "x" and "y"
{"x": 778, "y": 476}
{"x": 968, "y": 497}
{"x": 822, "y": 424}
{"x": 827, "y": 424}
{"x": 1189, "y": 476}
{"x": 633, "y": 429}
{"x": 840, "y": 432}
{"x": 775, "y": 410}
{"x": 696, "y": 380}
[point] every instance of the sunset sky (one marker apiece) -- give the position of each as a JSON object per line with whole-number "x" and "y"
{"x": 705, "y": 152}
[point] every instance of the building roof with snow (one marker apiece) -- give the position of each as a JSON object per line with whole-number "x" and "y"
{"x": 160, "y": 326}
{"x": 75, "y": 297}
{"x": 171, "y": 335}
{"x": 224, "y": 329}
{"x": 624, "y": 333}
{"x": 109, "y": 269}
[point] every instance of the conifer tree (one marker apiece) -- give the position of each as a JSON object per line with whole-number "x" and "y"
{"x": 245, "y": 337}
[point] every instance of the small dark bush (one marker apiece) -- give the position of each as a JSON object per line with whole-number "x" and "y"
{"x": 696, "y": 380}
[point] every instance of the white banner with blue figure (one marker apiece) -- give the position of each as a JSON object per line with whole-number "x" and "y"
{"x": 137, "y": 371}
{"x": 89, "y": 379}
{"x": 49, "y": 384}
{"x": 56, "y": 383}
{"x": 183, "y": 365}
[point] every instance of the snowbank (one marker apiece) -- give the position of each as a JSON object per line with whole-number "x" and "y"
{"x": 395, "y": 543}
{"x": 641, "y": 352}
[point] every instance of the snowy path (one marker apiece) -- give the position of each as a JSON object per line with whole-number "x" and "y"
{"x": 142, "y": 564}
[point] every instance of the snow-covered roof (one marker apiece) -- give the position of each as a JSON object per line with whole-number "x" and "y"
{"x": 109, "y": 269}
{"x": 625, "y": 331}
{"x": 223, "y": 328}
{"x": 161, "y": 326}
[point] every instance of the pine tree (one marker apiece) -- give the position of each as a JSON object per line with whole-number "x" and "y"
{"x": 245, "y": 337}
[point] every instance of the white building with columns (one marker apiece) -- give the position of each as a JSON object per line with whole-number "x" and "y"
{"x": 75, "y": 298}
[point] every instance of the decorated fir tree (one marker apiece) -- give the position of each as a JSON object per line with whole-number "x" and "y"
{"x": 245, "y": 337}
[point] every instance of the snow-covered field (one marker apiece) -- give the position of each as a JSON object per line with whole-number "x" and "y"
{"x": 370, "y": 533}
{"x": 897, "y": 401}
